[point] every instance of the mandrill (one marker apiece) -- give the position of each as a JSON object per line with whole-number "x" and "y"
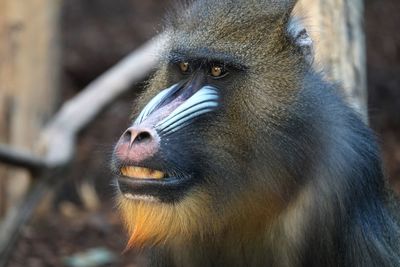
{"x": 241, "y": 155}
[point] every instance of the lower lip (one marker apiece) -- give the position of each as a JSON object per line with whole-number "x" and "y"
{"x": 168, "y": 189}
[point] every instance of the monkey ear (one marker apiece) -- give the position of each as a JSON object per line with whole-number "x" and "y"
{"x": 296, "y": 30}
{"x": 300, "y": 37}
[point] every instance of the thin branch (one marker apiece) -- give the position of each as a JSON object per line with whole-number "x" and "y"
{"x": 58, "y": 137}
{"x": 18, "y": 216}
{"x": 20, "y": 158}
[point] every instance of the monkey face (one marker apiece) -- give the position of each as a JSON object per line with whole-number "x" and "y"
{"x": 208, "y": 132}
{"x": 188, "y": 134}
{"x": 171, "y": 144}
{"x": 181, "y": 151}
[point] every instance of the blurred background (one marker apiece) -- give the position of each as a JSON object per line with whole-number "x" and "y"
{"x": 77, "y": 218}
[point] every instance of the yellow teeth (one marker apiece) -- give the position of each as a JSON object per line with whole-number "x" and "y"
{"x": 141, "y": 173}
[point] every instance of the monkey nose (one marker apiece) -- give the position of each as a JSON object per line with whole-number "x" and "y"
{"x": 137, "y": 135}
{"x": 137, "y": 143}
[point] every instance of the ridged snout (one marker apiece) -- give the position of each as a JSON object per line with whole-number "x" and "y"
{"x": 168, "y": 112}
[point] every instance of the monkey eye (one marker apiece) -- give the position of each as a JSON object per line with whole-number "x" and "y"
{"x": 217, "y": 71}
{"x": 184, "y": 67}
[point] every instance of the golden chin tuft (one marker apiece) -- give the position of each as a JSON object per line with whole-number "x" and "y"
{"x": 246, "y": 216}
{"x": 151, "y": 223}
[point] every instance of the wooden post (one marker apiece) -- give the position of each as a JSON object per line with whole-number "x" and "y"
{"x": 29, "y": 71}
{"x": 336, "y": 27}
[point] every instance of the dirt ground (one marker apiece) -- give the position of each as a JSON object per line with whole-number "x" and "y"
{"x": 95, "y": 35}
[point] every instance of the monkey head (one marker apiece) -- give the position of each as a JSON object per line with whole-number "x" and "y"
{"x": 204, "y": 150}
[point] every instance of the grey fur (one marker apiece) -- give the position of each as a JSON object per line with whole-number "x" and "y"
{"x": 282, "y": 139}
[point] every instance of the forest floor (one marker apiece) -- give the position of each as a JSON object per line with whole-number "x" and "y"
{"x": 58, "y": 237}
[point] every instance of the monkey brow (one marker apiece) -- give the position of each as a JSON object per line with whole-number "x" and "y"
{"x": 205, "y": 55}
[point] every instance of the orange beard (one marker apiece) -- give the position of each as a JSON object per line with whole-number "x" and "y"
{"x": 192, "y": 219}
{"x": 151, "y": 223}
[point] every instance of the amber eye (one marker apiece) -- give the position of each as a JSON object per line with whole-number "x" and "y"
{"x": 184, "y": 66}
{"x": 217, "y": 71}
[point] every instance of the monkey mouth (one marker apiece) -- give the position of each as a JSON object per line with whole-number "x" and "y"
{"x": 147, "y": 184}
{"x": 136, "y": 172}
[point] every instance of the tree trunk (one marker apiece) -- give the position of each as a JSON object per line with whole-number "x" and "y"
{"x": 336, "y": 27}
{"x": 29, "y": 71}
